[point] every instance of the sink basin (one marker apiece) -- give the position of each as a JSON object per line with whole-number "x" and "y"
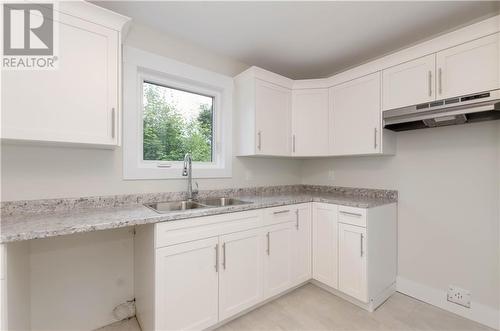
{"x": 165, "y": 207}
{"x": 169, "y": 206}
{"x": 221, "y": 202}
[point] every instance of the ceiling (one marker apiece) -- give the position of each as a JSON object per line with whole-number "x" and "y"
{"x": 304, "y": 39}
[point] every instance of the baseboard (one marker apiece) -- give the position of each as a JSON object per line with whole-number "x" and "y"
{"x": 478, "y": 312}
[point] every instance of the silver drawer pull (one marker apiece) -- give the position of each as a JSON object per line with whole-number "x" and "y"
{"x": 297, "y": 219}
{"x": 217, "y": 258}
{"x": 281, "y": 212}
{"x": 268, "y": 243}
{"x": 350, "y": 214}
{"x": 224, "y": 256}
{"x": 113, "y": 122}
{"x": 362, "y": 250}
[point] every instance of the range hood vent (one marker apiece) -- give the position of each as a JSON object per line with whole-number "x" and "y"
{"x": 466, "y": 109}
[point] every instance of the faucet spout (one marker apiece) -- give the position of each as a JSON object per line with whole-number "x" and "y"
{"x": 187, "y": 171}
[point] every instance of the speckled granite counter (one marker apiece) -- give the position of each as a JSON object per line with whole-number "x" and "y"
{"x": 25, "y": 220}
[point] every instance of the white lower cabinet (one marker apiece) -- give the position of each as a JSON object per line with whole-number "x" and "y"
{"x": 187, "y": 283}
{"x": 324, "y": 244}
{"x": 301, "y": 247}
{"x": 240, "y": 278}
{"x": 193, "y": 274}
{"x": 278, "y": 259}
{"x": 352, "y": 261}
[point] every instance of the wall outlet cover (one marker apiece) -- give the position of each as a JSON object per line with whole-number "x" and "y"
{"x": 459, "y": 296}
{"x": 331, "y": 174}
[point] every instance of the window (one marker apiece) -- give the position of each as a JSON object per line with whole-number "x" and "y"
{"x": 176, "y": 122}
{"x": 170, "y": 109}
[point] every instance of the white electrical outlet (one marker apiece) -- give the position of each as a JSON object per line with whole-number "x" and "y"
{"x": 459, "y": 296}
{"x": 331, "y": 174}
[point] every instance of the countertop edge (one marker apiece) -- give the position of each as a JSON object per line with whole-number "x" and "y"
{"x": 117, "y": 224}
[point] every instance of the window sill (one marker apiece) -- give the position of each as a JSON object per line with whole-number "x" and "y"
{"x": 155, "y": 172}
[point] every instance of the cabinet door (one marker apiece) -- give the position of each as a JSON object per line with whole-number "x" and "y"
{"x": 301, "y": 245}
{"x": 272, "y": 103}
{"x": 75, "y": 103}
{"x": 355, "y": 116}
{"x": 187, "y": 286}
{"x": 352, "y": 261}
{"x": 310, "y": 122}
{"x": 240, "y": 282}
{"x": 409, "y": 83}
{"x": 324, "y": 240}
{"x": 277, "y": 259}
{"x": 469, "y": 68}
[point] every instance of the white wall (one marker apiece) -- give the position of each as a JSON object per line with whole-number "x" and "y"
{"x": 77, "y": 280}
{"x": 448, "y": 182}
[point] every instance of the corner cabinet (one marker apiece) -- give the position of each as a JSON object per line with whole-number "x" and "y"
{"x": 310, "y": 122}
{"x": 78, "y": 102}
{"x": 263, "y": 103}
{"x": 324, "y": 247}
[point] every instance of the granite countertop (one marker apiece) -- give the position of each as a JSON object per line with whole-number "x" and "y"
{"x": 25, "y": 220}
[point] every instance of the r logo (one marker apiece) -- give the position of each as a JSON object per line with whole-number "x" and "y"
{"x": 28, "y": 29}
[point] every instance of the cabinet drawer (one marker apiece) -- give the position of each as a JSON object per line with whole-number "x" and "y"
{"x": 280, "y": 214}
{"x": 171, "y": 233}
{"x": 352, "y": 215}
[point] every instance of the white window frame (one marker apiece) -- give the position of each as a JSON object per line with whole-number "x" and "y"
{"x": 140, "y": 66}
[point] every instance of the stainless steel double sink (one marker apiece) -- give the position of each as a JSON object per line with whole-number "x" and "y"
{"x": 169, "y": 206}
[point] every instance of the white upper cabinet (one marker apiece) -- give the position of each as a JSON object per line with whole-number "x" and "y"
{"x": 355, "y": 123}
{"x": 272, "y": 105}
{"x": 263, "y": 116}
{"x": 409, "y": 83}
{"x": 79, "y": 101}
{"x": 310, "y": 122}
{"x": 468, "y": 68}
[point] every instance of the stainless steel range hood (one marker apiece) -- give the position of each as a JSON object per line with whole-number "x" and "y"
{"x": 460, "y": 110}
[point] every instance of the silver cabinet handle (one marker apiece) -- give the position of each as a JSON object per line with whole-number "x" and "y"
{"x": 113, "y": 122}
{"x": 297, "y": 219}
{"x": 440, "y": 81}
{"x": 375, "y": 138}
{"x": 259, "y": 143}
{"x": 350, "y": 214}
{"x": 293, "y": 143}
{"x": 217, "y": 258}
{"x": 430, "y": 83}
{"x": 281, "y": 212}
{"x": 268, "y": 244}
{"x": 224, "y": 256}
{"x": 361, "y": 243}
